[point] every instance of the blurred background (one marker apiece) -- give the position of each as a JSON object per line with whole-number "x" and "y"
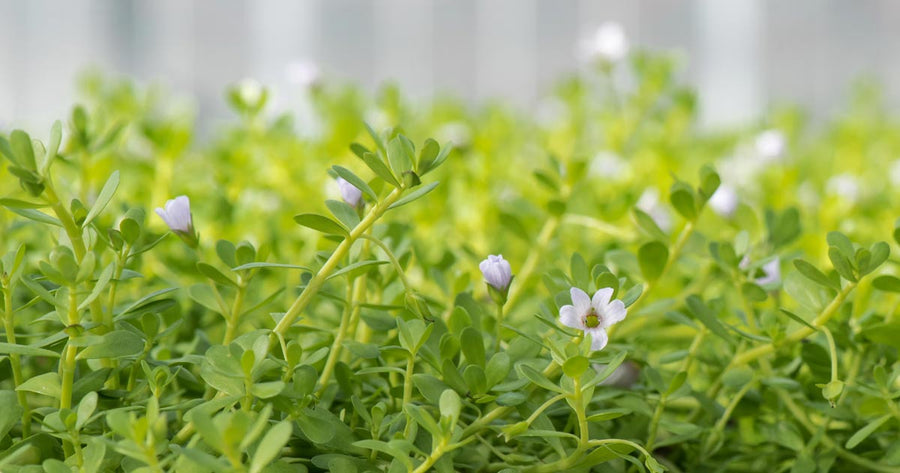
{"x": 742, "y": 55}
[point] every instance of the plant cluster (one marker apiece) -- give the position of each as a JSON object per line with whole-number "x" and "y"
{"x": 318, "y": 294}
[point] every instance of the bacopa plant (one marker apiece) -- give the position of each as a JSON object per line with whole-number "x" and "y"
{"x": 334, "y": 298}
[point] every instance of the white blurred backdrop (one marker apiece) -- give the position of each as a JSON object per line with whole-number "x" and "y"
{"x": 743, "y": 55}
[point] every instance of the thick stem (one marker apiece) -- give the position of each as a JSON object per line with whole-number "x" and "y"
{"x": 331, "y": 264}
{"x": 67, "y": 362}
{"x": 499, "y": 327}
{"x": 234, "y": 318}
{"x": 578, "y": 401}
{"x": 68, "y": 222}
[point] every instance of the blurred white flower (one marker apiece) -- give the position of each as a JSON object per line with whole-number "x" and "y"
{"x": 251, "y": 91}
{"x": 649, "y": 203}
{"x": 845, "y": 186}
{"x": 497, "y": 272}
{"x": 771, "y": 271}
{"x": 724, "y": 201}
{"x": 770, "y": 145}
{"x": 608, "y": 43}
{"x": 456, "y": 132}
{"x": 895, "y": 171}
{"x": 593, "y": 315}
{"x": 607, "y": 165}
{"x": 177, "y": 215}
{"x": 302, "y": 73}
{"x": 349, "y": 192}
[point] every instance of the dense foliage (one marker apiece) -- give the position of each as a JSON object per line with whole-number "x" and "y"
{"x": 222, "y": 336}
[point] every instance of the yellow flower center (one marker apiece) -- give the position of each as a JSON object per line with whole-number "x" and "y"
{"x": 592, "y": 320}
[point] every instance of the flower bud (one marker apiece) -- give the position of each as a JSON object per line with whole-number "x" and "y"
{"x": 498, "y": 275}
{"x": 349, "y": 192}
{"x": 177, "y": 215}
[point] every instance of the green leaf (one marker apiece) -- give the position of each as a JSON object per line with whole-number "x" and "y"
{"x": 100, "y": 285}
{"x": 10, "y": 412}
{"x": 414, "y": 195}
{"x": 52, "y": 146}
{"x": 879, "y": 253}
{"x": 398, "y": 157}
{"x": 841, "y": 264}
{"x": 753, "y": 292}
{"x": 21, "y": 145}
{"x": 866, "y": 431}
{"x": 575, "y": 366}
{"x": 633, "y": 294}
{"x": 537, "y": 378}
{"x": 887, "y": 283}
{"x": 9, "y": 348}
{"x": 387, "y": 449}
{"x": 37, "y": 216}
{"x": 380, "y": 168}
{"x": 646, "y": 223}
{"x": 355, "y": 269}
{"x": 709, "y": 182}
{"x": 450, "y": 405}
{"x": 263, "y": 264}
{"x": 426, "y": 167}
{"x": 816, "y": 276}
{"x": 115, "y": 344}
{"x": 676, "y": 382}
{"x": 215, "y": 275}
{"x": 472, "y": 344}
{"x": 106, "y": 194}
{"x": 797, "y": 318}
{"x": 47, "y": 384}
{"x": 317, "y": 425}
{"x": 682, "y": 198}
{"x": 321, "y": 223}
{"x": 343, "y": 212}
{"x": 842, "y": 243}
{"x": 707, "y": 317}
{"x": 20, "y": 204}
{"x": 357, "y": 182}
{"x": 652, "y": 258}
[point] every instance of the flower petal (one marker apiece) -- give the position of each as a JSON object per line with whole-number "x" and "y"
{"x": 613, "y": 313}
{"x": 580, "y": 300}
{"x": 569, "y": 317}
{"x": 598, "y": 338}
{"x": 164, "y": 215}
{"x": 601, "y": 298}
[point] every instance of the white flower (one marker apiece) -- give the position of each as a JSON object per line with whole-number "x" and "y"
{"x": 607, "y": 165}
{"x": 302, "y": 73}
{"x": 593, "y": 315}
{"x": 349, "y": 192}
{"x": 497, "y": 272}
{"x": 770, "y": 145}
{"x": 895, "y": 171}
{"x": 771, "y": 273}
{"x": 845, "y": 186}
{"x": 250, "y": 91}
{"x": 724, "y": 201}
{"x": 177, "y": 215}
{"x": 608, "y": 43}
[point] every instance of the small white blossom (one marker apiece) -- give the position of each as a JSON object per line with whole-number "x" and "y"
{"x": 771, "y": 273}
{"x": 497, "y": 272}
{"x": 845, "y": 186}
{"x": 895, "y": 172}
{"x": 177, "y": 215}
{"x": 770, "y": 145}
{"x": 593, "y": 315}
{"x": 607, "y": 165}
{"x": 349, "y": 192}
{"x": 250, "y": 91}
{"x": 608, "y": 43}
{"x": 302, "y": 73}
{"x": 724, "y": 201}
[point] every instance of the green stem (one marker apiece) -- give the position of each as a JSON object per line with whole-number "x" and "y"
{"x": 68, "y": 222}
{"x": 720, "y": 424}
{"x": 543, "y": 240}
{"x": 578, "y": 401}
{"x": 15, "y": 360}
{"x": 499, "y": 327}
{"x": 331, "y": 264}
{"x": 67, "y": 362}
{"x": 432, "y": 458}
{"x": 335, "y": 352}
{"x": 407, "y": 387}
{"x": 653, "y": 429}
{"x": 797, "y": 335}
{"x": 832, "y": 348}
{"x": 394, "y": 262}
{"x": 234, "y": 318}
{"x": 549, "y": 402}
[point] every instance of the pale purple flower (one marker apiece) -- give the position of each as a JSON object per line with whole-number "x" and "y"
{"x": 608, "y": 43}
{"x": 770, "y": 145}
{"x": 497, "y": 272}
{"x": 177, "y": 215}
{"x": 593, "y": 315}
{"x": 649, "y": 202}
{"x": 724, "y": 201}
{"x": 349, "y": 192}
{"x": 771, "y": 273}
